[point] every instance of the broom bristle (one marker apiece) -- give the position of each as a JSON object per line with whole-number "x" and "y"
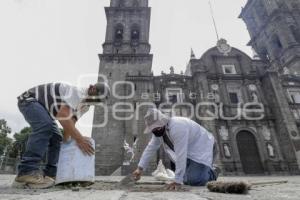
{"x": 228, "y": 187}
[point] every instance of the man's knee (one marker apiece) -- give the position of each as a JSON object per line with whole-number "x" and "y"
{"x": 197, "y": 181}
{"x": 198, "y": 174}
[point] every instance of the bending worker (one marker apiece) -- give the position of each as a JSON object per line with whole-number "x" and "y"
{"x": 41, "y": 106}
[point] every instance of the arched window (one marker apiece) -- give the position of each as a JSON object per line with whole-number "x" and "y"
{"x": 135, "y": 35}
{"x": 119, "y": 31}
{"x": 277, "y": 42}
{"x": 277, "y": 45}
{"x": 296, "y": 33}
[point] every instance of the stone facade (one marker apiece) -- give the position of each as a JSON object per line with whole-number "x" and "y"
{"x": 251, "y": 105}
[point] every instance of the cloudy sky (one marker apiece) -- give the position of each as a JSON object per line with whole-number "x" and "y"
{"x": 58, "y": 40}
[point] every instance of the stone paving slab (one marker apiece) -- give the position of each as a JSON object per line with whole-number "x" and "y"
{"x": 67, "y": 195}
{"x": 289, "y": 191}
{"x": 144, "y": 179}
{"x": 162, "y": 196}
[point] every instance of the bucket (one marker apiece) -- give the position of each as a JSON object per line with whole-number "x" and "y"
{"x": 73, "y": 165}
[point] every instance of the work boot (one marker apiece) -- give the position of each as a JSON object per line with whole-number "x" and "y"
{"x": 53, "y": 177}
{"x": 34, "y": 180}
{"x": 216, "y": 171}
{"x": 47, "y": 183}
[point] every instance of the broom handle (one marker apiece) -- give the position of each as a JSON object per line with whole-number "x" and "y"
{"x": 268, "y": 182}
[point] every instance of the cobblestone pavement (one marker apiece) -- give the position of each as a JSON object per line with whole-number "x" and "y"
{"x": 148, "y": 188}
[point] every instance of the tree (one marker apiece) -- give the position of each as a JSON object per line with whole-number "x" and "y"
{"x": 18, "y": 147}
{"x": 4, "y": 129}
{"x": 5, "y": 141}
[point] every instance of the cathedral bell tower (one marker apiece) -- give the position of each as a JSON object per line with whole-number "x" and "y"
{"x": 127, "y": 31}
{"x": 274, "y": 27}
{"x": 126, "y": 51}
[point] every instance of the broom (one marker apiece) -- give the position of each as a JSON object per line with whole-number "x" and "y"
{"x": 239, "y": 187}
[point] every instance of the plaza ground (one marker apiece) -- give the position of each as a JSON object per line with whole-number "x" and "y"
{"x": 148, "y": 188}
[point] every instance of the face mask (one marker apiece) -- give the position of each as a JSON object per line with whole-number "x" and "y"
{"x": 92, "y": 100}
{"x": 158, "y": 132}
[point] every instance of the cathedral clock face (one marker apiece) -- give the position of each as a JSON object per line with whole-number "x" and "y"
{"x": 223, "y": 47}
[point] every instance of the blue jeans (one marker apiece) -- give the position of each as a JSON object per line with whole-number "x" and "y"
{"x": 197, "y": 174}
{"x": 45, "y": 138}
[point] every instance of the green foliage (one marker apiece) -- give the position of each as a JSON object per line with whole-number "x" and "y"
{"x": 20, "y": 142}
{"x": 23, "y": 135}
{"x": 4, "y": 129}
{"x": 5, "y": 141}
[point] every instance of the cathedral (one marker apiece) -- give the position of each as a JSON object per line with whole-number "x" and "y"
{"x": 250, "y": 104}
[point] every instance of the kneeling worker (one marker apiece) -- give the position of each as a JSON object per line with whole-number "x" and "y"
{"x": 190, "y": 146}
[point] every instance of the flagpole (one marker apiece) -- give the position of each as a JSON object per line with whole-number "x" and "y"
{"x": 213, "y": 18}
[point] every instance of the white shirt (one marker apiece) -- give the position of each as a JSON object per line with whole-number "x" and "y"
{"x": 74, "y": 97}
{"x": 190, "y": 141}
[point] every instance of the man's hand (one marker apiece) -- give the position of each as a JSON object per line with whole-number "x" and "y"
{"x": 174, "y": 186}
{"x": 85, "y": 145}
{"x": 67, "y": 120}
{"x": 137, "y": 174}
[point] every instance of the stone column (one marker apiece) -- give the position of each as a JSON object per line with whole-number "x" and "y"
{"x": 286, "y": 128}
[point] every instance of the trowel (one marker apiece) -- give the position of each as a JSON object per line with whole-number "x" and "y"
{"x": 127, "y": 181}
